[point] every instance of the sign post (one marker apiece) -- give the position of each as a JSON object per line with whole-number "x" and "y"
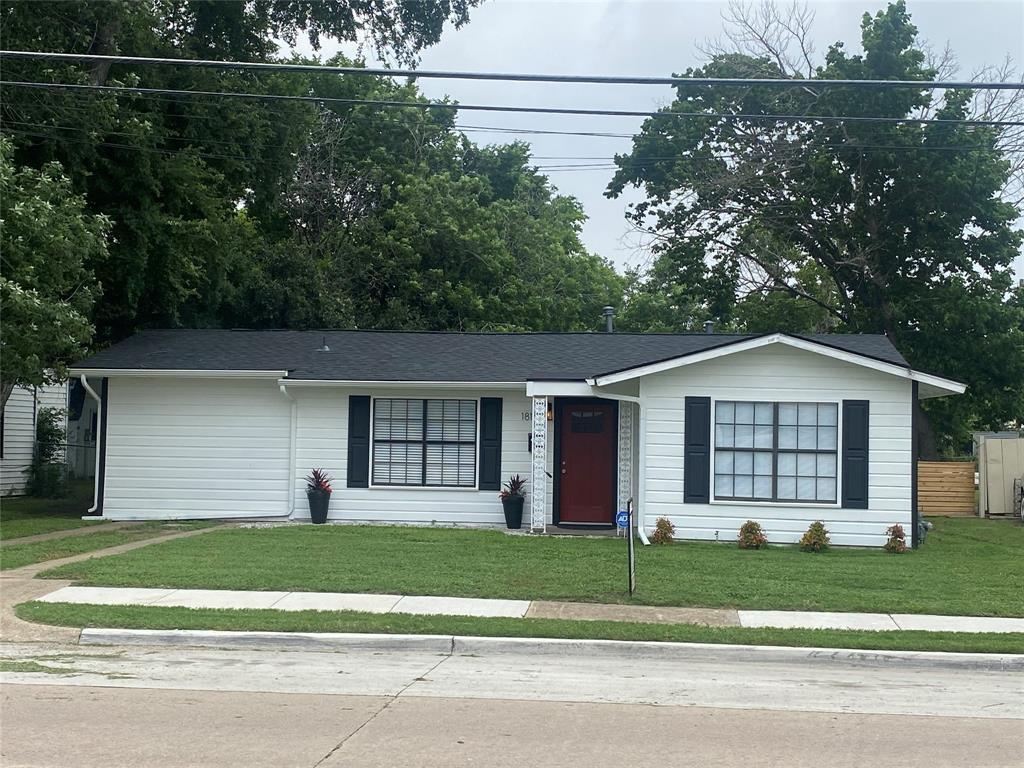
{"x": 624, "y": 521}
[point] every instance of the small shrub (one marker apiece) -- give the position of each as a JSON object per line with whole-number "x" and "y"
{"x": 664, "y": 531}
{"x": 47, "y": 473}
{"x": 816, "y": 538}
{"x": 897, "y": 543}
{"x": 752, "y": 536}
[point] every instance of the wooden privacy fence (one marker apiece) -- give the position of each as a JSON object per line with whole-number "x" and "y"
{"x": 946, "y": 488}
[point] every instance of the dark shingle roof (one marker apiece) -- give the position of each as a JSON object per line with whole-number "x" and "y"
{"x": 430, "y": 356}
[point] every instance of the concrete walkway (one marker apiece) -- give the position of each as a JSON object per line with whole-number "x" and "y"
{"x": 465, "y": 606}
{"x": 19, "y": 585}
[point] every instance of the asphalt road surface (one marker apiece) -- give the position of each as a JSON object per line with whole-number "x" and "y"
{"x": 174, "y": 707}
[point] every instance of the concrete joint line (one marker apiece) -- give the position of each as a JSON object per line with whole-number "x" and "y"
{"x": 391, "y": 700}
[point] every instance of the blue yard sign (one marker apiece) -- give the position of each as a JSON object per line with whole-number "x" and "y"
{"x": 622, "y": 519}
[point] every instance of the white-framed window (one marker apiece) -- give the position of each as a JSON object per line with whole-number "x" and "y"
{"x": 779, "y": 452}
{"x": 424, "y": 442}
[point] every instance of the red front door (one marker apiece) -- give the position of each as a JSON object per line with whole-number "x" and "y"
{"x": 586, "y": 458}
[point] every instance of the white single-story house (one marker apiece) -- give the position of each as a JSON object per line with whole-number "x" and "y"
{"x": 705, "y": 429}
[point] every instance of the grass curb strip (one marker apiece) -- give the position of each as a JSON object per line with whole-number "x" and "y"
{"x": 262, "y": 620}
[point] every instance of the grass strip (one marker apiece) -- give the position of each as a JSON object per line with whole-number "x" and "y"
{"x": 967, "y": 566}
{"x": 18, "y": 555}
{"x": 28, "y": 516}
{"x": 152, "y": 617}
{"x": 8, "y": 665}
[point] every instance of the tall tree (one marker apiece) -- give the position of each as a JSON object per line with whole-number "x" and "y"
{"x": 171, "y": 172}
{"x": 895, "y": 228}
{"x": 46, "y": 290}
{"x": 399, "y": 221}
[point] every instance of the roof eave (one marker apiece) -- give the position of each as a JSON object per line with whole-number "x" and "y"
{"x": 187, "y": 373}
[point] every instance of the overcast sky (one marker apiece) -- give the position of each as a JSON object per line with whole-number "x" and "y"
{"x": 647, "y": 37}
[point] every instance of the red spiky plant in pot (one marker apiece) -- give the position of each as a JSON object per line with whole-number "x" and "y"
{"x": 318, "y": 491}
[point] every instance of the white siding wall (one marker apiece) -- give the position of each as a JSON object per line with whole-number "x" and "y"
{"x": 20, "y": 431}
{"x": 775, "y": 373}
{"x": 194, "y": 448}
{"x": 322, "y": 441}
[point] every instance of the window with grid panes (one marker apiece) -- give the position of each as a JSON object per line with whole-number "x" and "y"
{"x": 776, "y": 451}
{"x": 424, "y": 442}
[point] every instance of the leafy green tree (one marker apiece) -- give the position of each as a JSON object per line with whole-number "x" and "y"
{"x": 172, "y": 172}
{"x": 895, "y": 228}
{"x": 46, "y": 289}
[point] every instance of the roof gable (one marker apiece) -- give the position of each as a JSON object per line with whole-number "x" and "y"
{"x": 826, "y": 346}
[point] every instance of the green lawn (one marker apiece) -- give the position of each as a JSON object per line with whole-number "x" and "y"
{"x": 27, "y": 516}
{"x": 149, "y": 617}
{"x": 17, "y": 555}
{"x": 967, "y": 566}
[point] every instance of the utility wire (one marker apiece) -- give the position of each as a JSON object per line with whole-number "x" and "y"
{"x": 608, "y": 160}
{"x": 514, "y": 77}
{"x": 377, "y": 118}
{"x": 426, "y": 105}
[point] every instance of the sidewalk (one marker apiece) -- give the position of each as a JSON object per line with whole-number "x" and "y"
{"x": 19, "y": 585}
{"x": 465, "y": 606}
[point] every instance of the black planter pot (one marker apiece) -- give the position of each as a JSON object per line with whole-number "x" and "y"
{"x": 319, "y": 501}
{"x": 513, "y": 507}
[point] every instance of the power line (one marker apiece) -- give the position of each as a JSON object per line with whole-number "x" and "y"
{"x": 514, "y": 77}
{"x": 602, "y": 162}
{"x": 426, "y": 105}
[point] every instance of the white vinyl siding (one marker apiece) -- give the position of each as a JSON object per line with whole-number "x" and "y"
{"x": 19, "y": 431}
{"x": 777, "y": 373}
{"x": 195, "y": 448}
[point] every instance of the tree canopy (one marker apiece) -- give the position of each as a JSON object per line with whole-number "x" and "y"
{"x": 47, "y": 289}
{"x": 236, "y": 212}
{"x": 876, "y": 227}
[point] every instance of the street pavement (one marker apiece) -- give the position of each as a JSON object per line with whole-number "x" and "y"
{"x": 139, "y": 706}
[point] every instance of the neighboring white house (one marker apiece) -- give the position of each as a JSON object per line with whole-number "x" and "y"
{"x": 707, "y": 430}
{"x": 18, "y": 431}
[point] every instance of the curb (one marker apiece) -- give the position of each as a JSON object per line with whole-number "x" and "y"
{"x": 273, "y": 641}
{"x": 458, "y": 645}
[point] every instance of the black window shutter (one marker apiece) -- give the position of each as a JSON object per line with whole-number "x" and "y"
{"x": 358, "y": 441}
{"x": 697, "y": 451}
{"x": 490, "y": 443}
{"x": 855, "y": 454}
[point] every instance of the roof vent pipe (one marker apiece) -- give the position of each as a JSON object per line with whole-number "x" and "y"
{"x": 324, "y": 347}
{"x": 609, "y": 319}
{"x": 709, "y": 326}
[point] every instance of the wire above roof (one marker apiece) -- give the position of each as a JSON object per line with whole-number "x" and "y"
{"x": 513, "y": 77}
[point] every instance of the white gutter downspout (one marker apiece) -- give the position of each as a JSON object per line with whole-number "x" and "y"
{"x": 292, "y": 428}
{"x": 99, "y": 421}
{"x": 640, "y": 479}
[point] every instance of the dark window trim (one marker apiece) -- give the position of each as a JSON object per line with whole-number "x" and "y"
{"x": 775, "y": 450}
{"x": 423, "y": 441}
